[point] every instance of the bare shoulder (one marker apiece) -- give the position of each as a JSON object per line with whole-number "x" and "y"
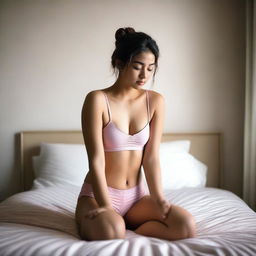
{"x": 95, "y": 95}
{"x": 155, "y": 95}
{"x": 92, "y": 110}
{"x": 94, "y": 98}
{"x": 156, "y": 98}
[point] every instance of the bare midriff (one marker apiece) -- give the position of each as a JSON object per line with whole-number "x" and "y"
{"x": 122, "y": 168}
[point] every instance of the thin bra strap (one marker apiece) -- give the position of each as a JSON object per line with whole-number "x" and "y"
{"x": 148, "y": 105}
{"x": 109, "y": 111}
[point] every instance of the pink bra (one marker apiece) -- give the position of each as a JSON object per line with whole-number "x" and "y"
{"x": 116, "y": 140}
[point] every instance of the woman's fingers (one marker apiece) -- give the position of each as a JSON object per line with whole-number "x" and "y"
{"x": 166, "y": 210}
{"x": 165, "y": 207}
{"x": 93, "y": 213}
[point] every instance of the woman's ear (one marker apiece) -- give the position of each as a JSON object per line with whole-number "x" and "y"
{"x": 119, "y": 64}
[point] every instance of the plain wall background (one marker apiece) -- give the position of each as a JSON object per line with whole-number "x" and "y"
{"x": 52, "y": 53}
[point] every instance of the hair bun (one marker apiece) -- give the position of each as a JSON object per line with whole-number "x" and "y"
{"x": 122, "y": 32}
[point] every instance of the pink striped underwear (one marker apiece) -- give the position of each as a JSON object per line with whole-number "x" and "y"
{"x": 122, "y": 199}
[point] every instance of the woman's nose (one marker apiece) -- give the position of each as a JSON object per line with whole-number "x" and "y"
{"x": 142, "y": 74}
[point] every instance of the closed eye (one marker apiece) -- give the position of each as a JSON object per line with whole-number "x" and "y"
{"x": 148, "y": 69}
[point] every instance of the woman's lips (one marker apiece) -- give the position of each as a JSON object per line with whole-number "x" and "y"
{"x": 140, "y": 82}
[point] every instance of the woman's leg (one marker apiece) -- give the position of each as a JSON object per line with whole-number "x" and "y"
{"x": 106, "y": 225}
{"x": 144, "y": 218}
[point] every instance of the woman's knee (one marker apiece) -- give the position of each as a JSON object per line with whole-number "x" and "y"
{"x": 115, "y": 231}
{"x": 188, "y": 226}
{"x": 182, "y": 222}
{"x": 103, "y": 228}
{"x": 191, "y": 226}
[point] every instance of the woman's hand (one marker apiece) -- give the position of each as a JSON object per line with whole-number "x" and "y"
{"x": 164, "y": 206}
{"x": 93, "y": 213}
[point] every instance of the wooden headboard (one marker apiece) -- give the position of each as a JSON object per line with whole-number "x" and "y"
{"x": 206, "y": 147}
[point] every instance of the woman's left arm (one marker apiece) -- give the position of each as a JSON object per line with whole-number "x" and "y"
{"x": 151, "y": 161}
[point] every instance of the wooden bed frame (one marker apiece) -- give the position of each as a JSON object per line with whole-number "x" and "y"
{"x": 206, "y": 147}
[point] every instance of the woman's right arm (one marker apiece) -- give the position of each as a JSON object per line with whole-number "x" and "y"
{"x": 92, "y": 124}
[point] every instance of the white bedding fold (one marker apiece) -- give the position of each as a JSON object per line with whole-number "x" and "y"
{"x": 41, "y": 222}
{"x": 51, "y": 207}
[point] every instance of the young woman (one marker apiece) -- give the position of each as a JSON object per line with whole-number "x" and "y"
{"x": 122, "y": 128}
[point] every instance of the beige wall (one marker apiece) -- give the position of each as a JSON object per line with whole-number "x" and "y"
{"x": 52, "y": 53}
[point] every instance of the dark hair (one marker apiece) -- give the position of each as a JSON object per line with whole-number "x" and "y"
{"x": 130, "y": 43}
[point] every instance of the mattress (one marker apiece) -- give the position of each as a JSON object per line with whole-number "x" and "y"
{"x": 41, "y": 222}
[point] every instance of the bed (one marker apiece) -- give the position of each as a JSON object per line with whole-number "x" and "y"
{"x": 40, "y": 219}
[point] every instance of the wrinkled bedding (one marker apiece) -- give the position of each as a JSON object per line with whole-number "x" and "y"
{"x": 41, "y": 222}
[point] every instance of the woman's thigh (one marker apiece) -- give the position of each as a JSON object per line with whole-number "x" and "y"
{"x": 146, "y": 210}
{"x": 106, "y": 225}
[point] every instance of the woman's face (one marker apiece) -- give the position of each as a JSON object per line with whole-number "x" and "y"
{"x": 140, "y": 70}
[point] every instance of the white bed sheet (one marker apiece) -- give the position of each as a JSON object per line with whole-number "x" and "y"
{"x": 41, "y": 222}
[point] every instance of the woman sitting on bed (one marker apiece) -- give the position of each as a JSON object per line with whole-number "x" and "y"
{"x": 122, "y": 127}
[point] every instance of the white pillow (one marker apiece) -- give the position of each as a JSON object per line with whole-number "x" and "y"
{"x": 178, "y": 167}
{"x": 59, "y": 164}
{"x": 181, "y": 169}
{"x": 175, "y": 146}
